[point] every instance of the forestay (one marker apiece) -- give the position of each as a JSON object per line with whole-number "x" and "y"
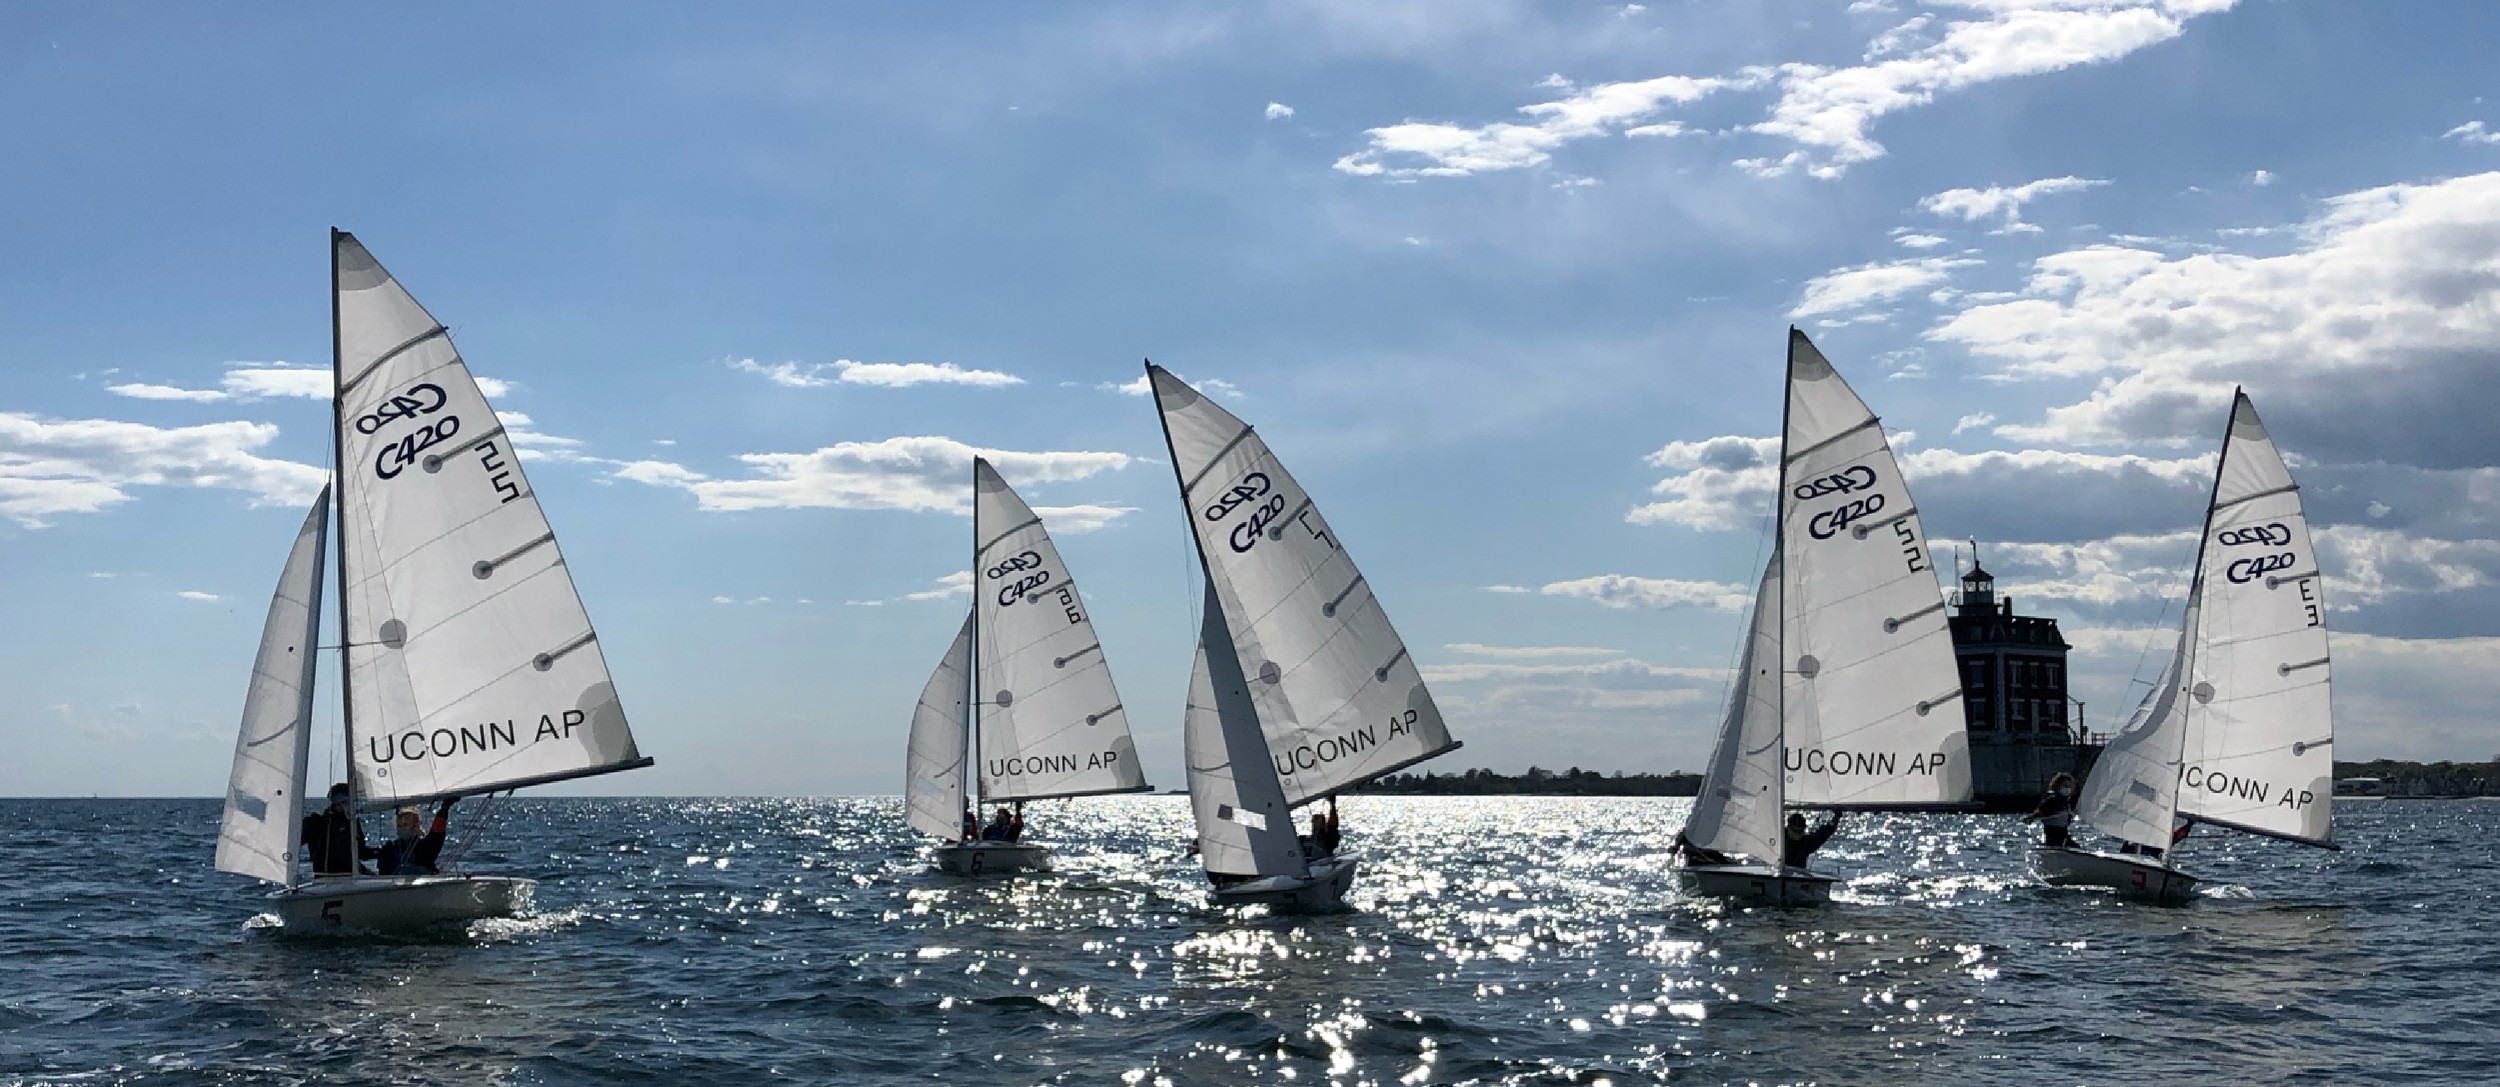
{"x": 2260, "y": 727}
{"x": 1245, "y": 828}
{"x": 264, "y": 799}
{"x": 2132, "y": 792}
{"x": 1337, "y": 695}
{"x": 1872, "y": 694}
{"x": 1051, "y": 721}
{"x": 933, "y": 783}
{"x": 471, "y": 665}
{"x": 1738, "y": 808}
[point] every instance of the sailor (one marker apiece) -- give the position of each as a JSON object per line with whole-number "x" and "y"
{"x": 1801, "y": 843}
{"x": 1015, "y": 828}
{"x": 1324, "y": 833}
{"x": 412, "y": 853}
{"x": 1694, "y": 854}
{"x": 333, "y": 839}
{"x": 1002, "y": 826}
{"x": 972, "y": 826}
{"x": 2056, "y": 812}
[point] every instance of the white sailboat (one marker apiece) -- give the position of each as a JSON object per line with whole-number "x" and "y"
{"x": 1302, "y": 689}
{"x": 1847, "y": 695}
{"x": 2238, "y": 731}
{"x": 1023, "y": 694}
{"x": 469, "y": 663}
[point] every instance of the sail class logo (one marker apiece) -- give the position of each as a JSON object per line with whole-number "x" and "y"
{"x": 2243, "y": 571}
{"x": 1856, "y": 477}
{"x": 421, "y": 399}
{"x": 2267, "y": 535}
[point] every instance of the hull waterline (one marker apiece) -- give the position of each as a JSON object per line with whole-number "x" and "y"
{"x": 2136, "y": 877}
{"x": 1323, "y": 891}
{"x": 990, "y": 858}
{"x": 394, "y": 903}
{"x": 1756, "y": 884}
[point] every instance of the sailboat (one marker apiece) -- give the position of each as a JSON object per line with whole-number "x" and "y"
{"x": 469, "y": 664}
{"x": 1301, "y": 689}
{"x": 1847, "y": 695}
{"x": 2237, "y": 732}
{"x": 1023, "y": 694}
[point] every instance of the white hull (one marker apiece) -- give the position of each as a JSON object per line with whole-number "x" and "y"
{"x": 1323, "y": 891}
{"x": 394, "y": 903}
{"x": 1756, "y": 883}
{"x": 990, "y": 858}
{"x": 2130, "y": 875}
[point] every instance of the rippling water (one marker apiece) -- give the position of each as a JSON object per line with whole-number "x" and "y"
{"x": 1496, "y": 940}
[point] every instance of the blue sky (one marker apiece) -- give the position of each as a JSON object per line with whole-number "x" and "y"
{"x": 1506, "y": 284}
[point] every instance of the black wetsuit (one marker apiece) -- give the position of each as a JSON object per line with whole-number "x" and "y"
{"x": 1796, "y": 848}
{"x": 335, "y": 841}
{"x": 411, "y": 856}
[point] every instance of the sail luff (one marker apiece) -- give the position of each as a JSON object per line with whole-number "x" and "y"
{"x": 1245, "y": 827}
{"x": 1737, "y": 809}
{"x": 1338, "y": 696}
{"x": 1051, "y": 723}
{"x": 259, "y": 831}
{"x": 1872, "y": 695}
{"x": 471, "y": 664}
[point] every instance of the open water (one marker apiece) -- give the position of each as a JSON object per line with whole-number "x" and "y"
{"x": 1496, "y": 940}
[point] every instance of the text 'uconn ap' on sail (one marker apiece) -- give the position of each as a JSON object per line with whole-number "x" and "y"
{"x": 2240, "y": 788}
{"x": 443, "y": 743}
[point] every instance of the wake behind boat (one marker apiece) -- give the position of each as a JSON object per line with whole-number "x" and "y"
{"x": 1023, "y": 693}
{"x": 1846, "y": 660}
{"x": 470, "y": 665}
{"x": 2237, "y": 731}
{"x": 1301, "y": 689}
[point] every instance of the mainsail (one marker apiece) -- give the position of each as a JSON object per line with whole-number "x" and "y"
{"x": 933, "y": 782}
{"x": 2260, "y": 725}
{"x": 264, "y": 799}
{"x": 1738, "y": 808}
{"x": 1245, "y": 828}
{"x": 1872, "y": 695}
{"x": 1051, "y": 721}
{"x": 1337, "y": 695}
{"x": 470, "y": 663}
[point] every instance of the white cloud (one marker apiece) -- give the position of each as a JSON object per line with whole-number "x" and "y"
{"x": 1530, "y": 651}
{"x": 1973, "y": 422}
{"x": 1277, "y": 111}
{"x": 242, "y": 381}
{"x": 193, "y": 594}
{"x": 1432, "y": 149}
{"x": 1506, "y": 588}
{"x": 1721, "y": 485}
{"x": 2472, "y": 132}
{"x": 1626, "y": 667}
{"x": 2261, "y": 178}
{"x": 2379, "y": 328}
{"x": 491, "y": 387}
{"x": 916, "y": 473}
{"x": 1916, "y": 241}
{"x": 1069, "y": 520}
{"x": 1866, "y": 284}
{"x": 1141, "y": 387}
{"x": 1999, "y": 202}
{"x": 51, "y": 467}
{"x": 139, "y": 390}
{"x": 2366, "y": 565}
{"x": 887, "y": 375}
{"x": 958, "y": 583}
{"x": 1626, "y": 591}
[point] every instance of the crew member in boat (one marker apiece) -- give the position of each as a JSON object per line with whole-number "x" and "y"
{"x": 1004, "y": 826}
{"x": 1799, "y": 844}
{"x": 413, "y": 851}
{"x": 972, "y": 826}
{"x": 334, "y": 839}
{"x": 2056, "y": 813}
{"x": 1694, "y": 854}
{"x": 1324, "y": 833}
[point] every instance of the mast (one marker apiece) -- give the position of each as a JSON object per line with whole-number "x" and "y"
{"x": 338, "y": 477}
{"x": 2196, "y": 589}
{"x": 1779, "y": 550}
{"x": 972, "y": 667}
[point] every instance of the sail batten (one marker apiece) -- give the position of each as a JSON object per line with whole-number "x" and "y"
{"x": 1051, "y": 720}
{"x": 471, "y": 664}
{"x": 258, "y": 834}
{"x": 1336, "y": 694}
{"x": 1866, "y": 654}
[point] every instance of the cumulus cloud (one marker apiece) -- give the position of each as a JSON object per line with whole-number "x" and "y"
{"x": 1869, "y": 284}
{"x": 2002, "y": 203}
{"x": 2472, "y": 132}
{"x": 1277, "y": 111}
{"x": 53, "y": 467}
{"x": 958, "y": 583}
{"x": 2374, "y": 339}
{"x": 1626, "y": 591}
{"x": 242, "y": 381}
{"x": 915, "y": 473}
{"x": 1530, "y": 652}
{"x": 1141, "y": 387}
{"x": 1720, "y": 483}
{"x": 1435, "y": 149}
{"x": 1973, "y": 421}
{"x": 888, "y": 375}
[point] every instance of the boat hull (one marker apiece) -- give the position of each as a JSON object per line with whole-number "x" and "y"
{"x": 990, "y": 858}
{"x": 1323, "y": 891}
{"x": 397, "y": 903}
{"x": 2131, "y": 876}
{"x": 1756, "y": 884}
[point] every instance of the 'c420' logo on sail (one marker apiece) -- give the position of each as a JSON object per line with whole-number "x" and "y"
{"x": 1828, "y": 523}
{"x": 421, "y": 399}
{"x": 2244, "y": 571}
{"x": 1856, "y": 477}
{"x": 1252, "y": 487}
{"x": 398, "y": 455}
{"x": 2269, "y": 535}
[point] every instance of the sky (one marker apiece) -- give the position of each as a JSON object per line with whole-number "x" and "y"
{"x": 1506, "y": 285}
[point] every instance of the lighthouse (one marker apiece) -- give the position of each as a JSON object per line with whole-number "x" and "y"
{"x": 2014, "y": 699}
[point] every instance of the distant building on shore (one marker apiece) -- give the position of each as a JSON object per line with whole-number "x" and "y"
{"x": 2014, "y": 697}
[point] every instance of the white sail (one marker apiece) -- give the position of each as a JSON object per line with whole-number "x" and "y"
{"x": 1245, "y": 828}
{"x": 2132, "y": 792}
{"x": 2260, "y": 726}
{"x": 1738, "y": 808}
{"x": 1338, "y": 696}
{"x": 471, "y": 665}
{"x": 1872, "y": 696}
{"x": 933, "y": 781}
{"x": 1051, "y": 721}
{"x": 265, "y": 797}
